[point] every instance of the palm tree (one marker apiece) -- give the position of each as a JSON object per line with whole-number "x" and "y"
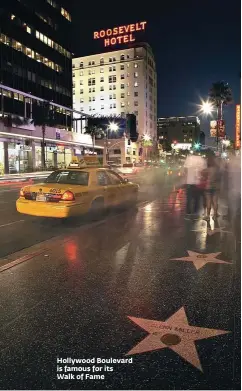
{"x": 94, "y": 131}
{"x": 220, "y": 95}
{"x": 146, "y": 142}
{"x": 43, "y": 115}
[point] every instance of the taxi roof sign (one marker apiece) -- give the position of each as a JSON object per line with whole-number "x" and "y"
{"x": 86, "y": 161}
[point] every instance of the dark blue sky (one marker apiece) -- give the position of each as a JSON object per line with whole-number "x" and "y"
{"x": 194, "y": 43}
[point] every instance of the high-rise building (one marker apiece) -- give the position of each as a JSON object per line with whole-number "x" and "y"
{"x": 35, "y": 51}
{"x": 185, "y": 130}
{"x": 115, "y": 83}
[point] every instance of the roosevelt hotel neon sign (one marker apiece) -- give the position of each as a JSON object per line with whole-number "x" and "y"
{"x": 122, "y": 34}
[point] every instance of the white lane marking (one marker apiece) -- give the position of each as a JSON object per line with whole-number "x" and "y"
{"x": 13, "y": 222}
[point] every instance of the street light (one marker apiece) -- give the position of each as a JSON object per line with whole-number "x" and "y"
{"x": 113, "y": 127}
{"x": 207, "y": 107}
{"x": 146, "y": 137}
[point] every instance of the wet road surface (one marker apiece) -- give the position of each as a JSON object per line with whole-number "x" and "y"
{"x": 126, "y": 287}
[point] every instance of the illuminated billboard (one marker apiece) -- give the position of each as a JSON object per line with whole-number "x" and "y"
{"x": 217, "y": 128}
{"x": 237, "y": 128}
{"x": 119, "y": 35}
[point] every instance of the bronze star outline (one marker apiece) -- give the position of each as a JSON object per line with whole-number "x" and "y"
{"x": 201, "y": 259}
{"x": 178, "y": 328}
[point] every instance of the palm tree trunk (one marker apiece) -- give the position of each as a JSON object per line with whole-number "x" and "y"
{"x": 93, "y": 144}
{"x": 43, "y": 148}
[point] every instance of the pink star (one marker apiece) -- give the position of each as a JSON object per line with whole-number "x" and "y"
{"x": 199, "y": 260}
{"x": 176, "y": 334}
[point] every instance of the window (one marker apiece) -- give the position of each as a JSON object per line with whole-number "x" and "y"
{"x": 112, "y": 69}
{"x": 114, "y": 105}
{"x": 136, "y": 103}
{"x": 81, "y": 91}
{"x": 122, "y": 104}
{"x": 110, "y": 59}
{"x": 81, "y": 82}
{"x": 73, "y": 65}
{"x": 101, "y": 79}
{"x": 101, "y": 88}
{"x": 90, "y": 90}
{"x": 101, "y": 70}
{"x": 114, "y": 96}
{"x": 115, "y": 179}
{"x": 134, "y": 152}
{"x": 93, "y": 89}
{"x": 81, "y": 64}
{"x": 135, "y": 74}
{"x": 90, "y": 98}
{"x": 110, "y": 96}
{"x": 93, "y": 98}
{"x": 82, "y": 108}
{"x": 101, "y": 97}
{"x": 73, "y": 74}
{"x": 128, "y": 74}
{"x": 102, "y": 178}
{"x": 101, "y": 61}
{"x": 90, "y": 108}
{"x": 114, "y": 59}
{"x": 28, "y": 29}
{"x": 122, "y": 57}
{"x": 135, "y": 65}
{"x": 128, "y": 93}
{"x": 122, "y": 86}
{"x": 136, "y": 84}
{"x": 112, "y": 79}
{"x": 69, "y": 177}
{"x": 89, "y": 72}
{"x": 122, "y": 67}
{"x": 93, "y": 62}
{"x": 110, "y": 106}
{"x": 136, "y": 93}
{"x": 122, "y": 77}
{"x": 81, "y": 100}
{"x": 102, "y": 107}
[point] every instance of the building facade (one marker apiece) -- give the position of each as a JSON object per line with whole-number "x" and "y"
{"x": 35, "y": 51}
{"x": 118, "y": 83}
{"x": 182, "y": 130}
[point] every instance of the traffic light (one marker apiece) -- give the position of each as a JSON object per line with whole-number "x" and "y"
{"x": 131, "y": 127}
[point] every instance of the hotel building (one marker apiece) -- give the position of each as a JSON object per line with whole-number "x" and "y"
{"x": 117, "y": 83}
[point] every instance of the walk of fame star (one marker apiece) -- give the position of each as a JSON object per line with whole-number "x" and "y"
{"x": 199, "y": 260}
{"x": 176, "y": 334}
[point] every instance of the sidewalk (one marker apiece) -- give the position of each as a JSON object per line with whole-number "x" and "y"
{"x": 23, "y": 178}
{"x": 142, "y": 285}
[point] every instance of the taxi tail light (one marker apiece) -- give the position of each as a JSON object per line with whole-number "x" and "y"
{"x": 67, "y": 196}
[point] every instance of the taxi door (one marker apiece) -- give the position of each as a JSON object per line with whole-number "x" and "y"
{"x": 109, "y": 191}
{"x": 119, "y": 187}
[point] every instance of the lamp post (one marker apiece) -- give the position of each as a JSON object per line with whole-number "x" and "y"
{"x": 114, "y": 128}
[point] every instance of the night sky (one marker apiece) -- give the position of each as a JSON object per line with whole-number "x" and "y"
{"x": 194, "y": 43}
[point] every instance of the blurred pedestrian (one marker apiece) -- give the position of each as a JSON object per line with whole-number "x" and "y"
{"x": 212, "y": 187}
{"x": 234, "y": 186}
{"x": 194, "y": 165}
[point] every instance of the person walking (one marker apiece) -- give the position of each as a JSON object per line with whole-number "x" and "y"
{"x": 212, "y": 187}
{"x": 194, "y": 165}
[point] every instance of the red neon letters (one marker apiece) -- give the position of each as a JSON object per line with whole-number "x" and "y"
{"x": 122, "y": 34}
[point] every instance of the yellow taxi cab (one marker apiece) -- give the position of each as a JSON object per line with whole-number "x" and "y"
{"x": 81, "y": 188}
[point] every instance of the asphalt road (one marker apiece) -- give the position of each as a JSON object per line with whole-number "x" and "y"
{"x": 20, "y": 231}
{"x": 124, "y": 287}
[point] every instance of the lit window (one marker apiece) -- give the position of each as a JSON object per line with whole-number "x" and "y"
{"x": 28, "y": 29}
{"x": 136, "y": 84}
{"x": 81, "y": 73}
{"x": 37, "y": 34}
{"x": 101, "y": 97}
{"x": 65, "y": 14}
{"x": 136, "y": 74}
{"x": 81, "y": 100}
{"x": 89, "y": 72}
{"x": 136, "y": 65}
{"x": 101, "y": 70}
{"x": 13, "y": 17}
{"x": 128, "y": 93}
{"x": 93, "y": 72}
{"x": 122, "y": 104}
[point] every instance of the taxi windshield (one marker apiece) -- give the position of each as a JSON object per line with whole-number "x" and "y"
{"x": 69, "y": 177}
